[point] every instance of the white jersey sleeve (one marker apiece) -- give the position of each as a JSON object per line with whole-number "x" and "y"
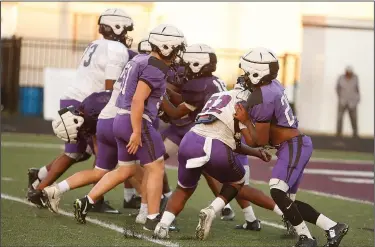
{"x": 103, "y": 59}
{"x": 222, "y": 106}
{"x": 110, "y": 110}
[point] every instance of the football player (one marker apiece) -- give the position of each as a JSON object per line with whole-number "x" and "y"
{"x": 142, "y": 89}
{"x": 270, "y": 120}
{"x": 101, "y": 64}
{"x": 209, "y": 148}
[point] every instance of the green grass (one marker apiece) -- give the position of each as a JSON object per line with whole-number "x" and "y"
{"x": 22, "y": 225}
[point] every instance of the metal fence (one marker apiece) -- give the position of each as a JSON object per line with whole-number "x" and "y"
{"x": 38, "y": 54}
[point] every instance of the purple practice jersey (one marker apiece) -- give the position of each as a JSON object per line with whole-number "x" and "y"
{"x": 197, "y": 92}
{"x": 269, "y": 104}
{"x": 132, "y": 54}
{"x": 150, "y": 70}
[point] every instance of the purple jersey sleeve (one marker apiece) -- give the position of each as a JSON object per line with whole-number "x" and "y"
{"x": 152, "y": 76}
{"x": 132, "y": 54}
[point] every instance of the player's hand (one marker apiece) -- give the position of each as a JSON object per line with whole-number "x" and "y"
{"x": 264, "y": 155}
{"x": 134, "y": 143}
{"x": 241, "y": 113}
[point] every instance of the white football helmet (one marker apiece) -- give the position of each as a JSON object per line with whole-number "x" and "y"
{"x": 66, "y": 125}
{"x": 144, "y": 46}
{"x": 119, "y": 22}
{"x": 200, "y": 59}
{"x": 168, "y": 39}
{"x": 260, "y": 65}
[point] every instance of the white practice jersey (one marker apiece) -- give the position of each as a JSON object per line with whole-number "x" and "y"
{"x": 110, "y": 110}
{"x": 102, "y": 60}
{"x": 222, "y": 106}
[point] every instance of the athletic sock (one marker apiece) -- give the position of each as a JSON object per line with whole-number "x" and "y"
{"x": 325, "y": 223}
{"x": 302, "y": 229}
{"x": 63, "y": 186}
{"x": 43, "y": 172}
{"x": 128, "y": 194}
{"x": 277, "y": 210}
{"x": 152, "y": 216}
{"x": 167, "y": 218}
{"x": 249, "y": 214}
{"x": 218, "y": 204}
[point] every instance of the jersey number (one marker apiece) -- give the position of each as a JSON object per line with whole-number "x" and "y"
{"x": 92, "y": 48}
{"x": 288, "y": 113}
{"x": 215, "y": 103}
{"x": 124, "y": 77}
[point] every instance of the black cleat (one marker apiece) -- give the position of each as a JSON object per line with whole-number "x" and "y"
{"x": 81, "y": 207}
{"x": 151, "y": 224}
{"x": 173, "y": 227}
{"x": 290, "y": 231}
{"x": 36, "y": 197}
{"x": 251, "y": 226}
{"x": 227, "y": 214}
{"x": 102, "y": 206}
{"x": 135, "y": 202}
{"x": 335, "y": 234}
{"x": 304, "y": 241}
{"x": 33, "y": 178}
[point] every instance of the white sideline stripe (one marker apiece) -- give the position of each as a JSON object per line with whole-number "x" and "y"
{"x": 365, "y": 174}
{"x": 112, "y": 227}
{"x": 59, "y": 146}
{"x": 353, "y": 180}
{"x": 324, "y": 194}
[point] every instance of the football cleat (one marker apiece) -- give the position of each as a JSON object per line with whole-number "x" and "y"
{"x": 102, "y": 206}
{"x": 206, "y": 216}
{"x": 81, "y": 207}
{"x": 335, "y": 234}
{"x": 36, "y": 197}
{"x": 135, "y": 202}
{"x": 150, "y": 225}
{"x": 290, "y": 231}
{"x": 227, "y": 214}
{"x": 304, "y": 241}
{"x": 161, "y": 231}
{"x": 251, "y": 226}
{"x": 53, "y": 196}
{"x": 33, "y": 178}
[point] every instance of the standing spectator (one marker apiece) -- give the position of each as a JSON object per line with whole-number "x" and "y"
{"x": 347, "y": 89}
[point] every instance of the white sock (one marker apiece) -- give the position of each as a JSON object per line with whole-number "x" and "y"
{"x": 152, "y": 216}
{"x": 128, "y": 194}
{"x": 302, "y": 229}
{"x": 167, "y": 195}
{"x": 249, "y": 214}
{"x": 277, "y": 210}
{"x": 143, "y": 209}
{"x": 325, "y": 223}
{"x": 63, "y": 186}
{"x": 228, "y": 206}
{"x": 91, "y": 201}
{"x": 218, "y": 204}
{"x": 42, "y": 173}
{"x": 136, "y": 193}
{"x": 167, "y": 218}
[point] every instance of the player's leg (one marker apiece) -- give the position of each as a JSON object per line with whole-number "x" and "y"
{"x": 187, "y": 181}
{"x": 225, "y": 167}
{"x": 151, "y": 154}
{"x": 340, "y": 115}
{"x": 353, "y": 120}
{"x": 293, "y": 156}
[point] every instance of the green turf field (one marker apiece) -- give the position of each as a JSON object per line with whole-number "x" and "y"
{"x": 23, "y": 225}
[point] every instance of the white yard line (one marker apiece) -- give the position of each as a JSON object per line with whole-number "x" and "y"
{"x": 59, "y": 146}
{"x": 110, "y": 226}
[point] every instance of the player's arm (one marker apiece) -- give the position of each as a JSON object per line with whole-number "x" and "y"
{"x": 256, "y": 135}
{"x": 174, "y": 97}
{"x": 118, "y": 56}
{"x": 176, "y": 112}
{"x": 256, "y": 152}
{"x": 138, "y": 105}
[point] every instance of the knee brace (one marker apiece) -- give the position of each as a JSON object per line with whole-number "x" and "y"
{"x": 287, "y": 206}
{"x": 308, "y": 213}
{"x": 78, "y": 157}
{"x": 228, "y": 192}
